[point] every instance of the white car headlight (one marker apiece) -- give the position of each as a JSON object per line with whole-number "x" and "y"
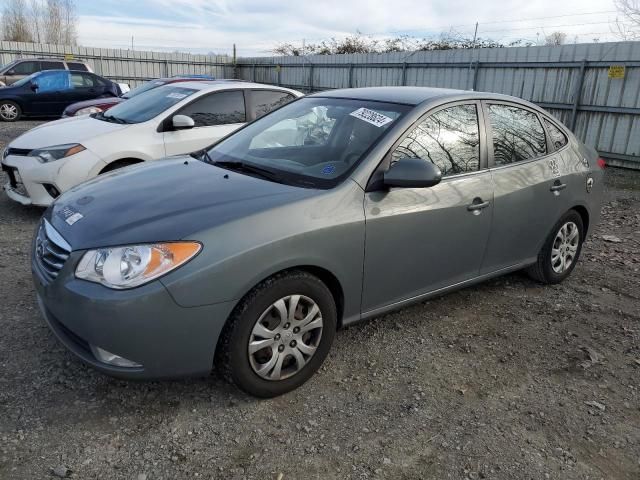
{"x": 51, "y": 154}
{"x": 88, "y": 111}
{"x": 134, "y": 265}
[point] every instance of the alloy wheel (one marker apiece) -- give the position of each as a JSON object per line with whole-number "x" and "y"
{"x": 8, "y": 111}
{"x": 285, "y": 337}
{"x": 565, "y": 247}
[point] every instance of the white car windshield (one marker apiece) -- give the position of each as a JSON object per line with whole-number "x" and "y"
{"x": 146, "y": 106}
{"x": 314, "y": 141}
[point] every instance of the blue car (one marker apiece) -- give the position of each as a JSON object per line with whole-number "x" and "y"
{"x": 48, "y": 93}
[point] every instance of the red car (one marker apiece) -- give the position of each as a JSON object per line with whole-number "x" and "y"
{"x": 101, "y": 104}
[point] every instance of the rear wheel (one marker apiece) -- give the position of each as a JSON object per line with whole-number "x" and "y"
{"x": 9, "y": 111}
{"x": 279, "y": 334}
{"x": 561, "y": 250}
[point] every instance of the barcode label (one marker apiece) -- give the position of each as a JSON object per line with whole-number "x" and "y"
{"x": 372, "y": 117}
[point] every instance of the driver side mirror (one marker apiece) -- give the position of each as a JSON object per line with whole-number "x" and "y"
{"x": 412, "y": 173}
{"x": 182, "y": 122}
{"x": 33, "y": 86}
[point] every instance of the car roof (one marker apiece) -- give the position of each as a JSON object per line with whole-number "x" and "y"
{"x": 415, "y": 95}
{"x": 227, "y": 84}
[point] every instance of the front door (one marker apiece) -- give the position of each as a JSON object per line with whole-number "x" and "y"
{"x": 419, "y": 240}
{"x": 215, "y": 115}
{"x": 50, "y": 93}
{"x": 529, "y": 186}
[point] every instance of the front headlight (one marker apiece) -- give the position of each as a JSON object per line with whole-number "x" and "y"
{"x": 51, "y": 154}
{"x": 88, "y": 111}
{"x": 133, "y": 265}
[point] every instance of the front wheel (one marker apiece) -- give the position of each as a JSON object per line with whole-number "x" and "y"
{"x": 561, "y": 250}
{"x": 279, "y": 335}
{"x": 9, "y": 111}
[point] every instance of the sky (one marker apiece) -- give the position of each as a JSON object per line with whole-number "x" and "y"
{"x": 203, "y": 26}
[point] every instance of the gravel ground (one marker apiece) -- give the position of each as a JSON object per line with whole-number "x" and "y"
{"x": 507, "y": 380}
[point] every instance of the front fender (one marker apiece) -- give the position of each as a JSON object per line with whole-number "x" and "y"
{"x": 325, "y": 231}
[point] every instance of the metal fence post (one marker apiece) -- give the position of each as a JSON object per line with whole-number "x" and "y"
{"x": 253, "y": 73}
{"x": 404, "y": 73}
{"x": 311, "y": 78}
{"x": 351, "y": 75}
{"x": 476, "y": 67}
{"x": 577, "y": 95}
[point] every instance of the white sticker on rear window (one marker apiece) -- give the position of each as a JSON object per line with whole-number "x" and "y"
{"x": 372, "y": 117}
{"x": 179, "y": 96}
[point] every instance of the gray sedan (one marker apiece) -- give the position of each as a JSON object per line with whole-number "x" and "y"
{"x": 335, "y": 208}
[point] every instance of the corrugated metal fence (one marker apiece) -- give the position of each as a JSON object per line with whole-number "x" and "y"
{"x": 129, "y": 66}
{"x": 574, "y": 82}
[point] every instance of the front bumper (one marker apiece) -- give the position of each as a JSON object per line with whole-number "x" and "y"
{"x": 144, "y": 325}
{"x": 62, "y": 174}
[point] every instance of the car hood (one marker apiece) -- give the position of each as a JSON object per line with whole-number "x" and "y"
{"x": 165, "y": 200}
{"x": 96, "y": 102}
{"x": 67, "y": 130}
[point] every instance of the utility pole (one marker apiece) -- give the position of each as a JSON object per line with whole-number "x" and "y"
{"x": 131, "y": 42}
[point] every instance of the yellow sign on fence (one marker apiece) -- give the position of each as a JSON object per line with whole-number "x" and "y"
{"x": 616, "y": 71}
{"x": 69, "y": 56}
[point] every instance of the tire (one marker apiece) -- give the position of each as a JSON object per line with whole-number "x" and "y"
{"x": 241, "y": 367}
{"x": 9, "y": 111}
{"x": 549, "y": 268}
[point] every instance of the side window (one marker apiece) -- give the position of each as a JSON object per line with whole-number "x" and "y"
{"x": 49, "y": 65}
{"x": 449, "y": 138}
{"x": 52, "y": 82}
{"x": 558, "y": 138}
{"x": 217, "y": 109}
{"x": 81, "y": 80}
{"x": 26, "y": 68}
{"x": 81, "y": 67}
{"x": 517, "y": 134}
{"x": 263, "y": 101}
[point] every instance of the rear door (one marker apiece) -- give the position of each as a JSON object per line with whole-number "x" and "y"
{"x": 419, "y": 240}
{"x": 215, "y": 115}
{"x": 529, "y": 185}
{"x": 85, "y": 87}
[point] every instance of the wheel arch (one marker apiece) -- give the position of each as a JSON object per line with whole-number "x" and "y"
{"x": 323, "y": 274}
{"x": 584, "y": 215}
{"x": 122, "y": 162}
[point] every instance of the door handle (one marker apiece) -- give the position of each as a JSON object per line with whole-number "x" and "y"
{"x": 477, "y": 206}
{"x": 556, "y": 187}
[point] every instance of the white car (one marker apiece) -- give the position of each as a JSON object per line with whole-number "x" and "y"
{"x": 170, "y": 120}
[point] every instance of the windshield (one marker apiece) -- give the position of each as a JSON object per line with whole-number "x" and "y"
{"x": 311, "y": 142}
{"x": 143, "y": 88}
{"x": 25, "y": 80}
{"x": 147, "y": 105}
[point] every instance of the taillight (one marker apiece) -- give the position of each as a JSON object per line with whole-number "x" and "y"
{"x": 601, "y": 163}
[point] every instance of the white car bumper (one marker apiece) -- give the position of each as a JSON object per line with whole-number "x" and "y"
{"x": 35, "y": 183}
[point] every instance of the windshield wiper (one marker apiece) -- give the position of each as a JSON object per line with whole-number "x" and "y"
{"x": 110, "y": 118}
{"x": 246, "y": 167}
{"x": 202, "y": 155}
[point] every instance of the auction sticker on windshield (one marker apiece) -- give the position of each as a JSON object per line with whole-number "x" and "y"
{"x": 178, "y": 96}
{"x": 372, "y": 117}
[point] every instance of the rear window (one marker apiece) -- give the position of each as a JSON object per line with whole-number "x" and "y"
{"x": 558, "y": 138}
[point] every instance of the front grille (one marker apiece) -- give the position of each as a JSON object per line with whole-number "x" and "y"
{"x": 51, "y": 251}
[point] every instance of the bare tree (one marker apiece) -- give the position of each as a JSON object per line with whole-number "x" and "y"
{"x": 627, "y": 25}
{"x": 15, "y": 21}
{"x": 556, "y": 38}
{"x": 37, "y": 20}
